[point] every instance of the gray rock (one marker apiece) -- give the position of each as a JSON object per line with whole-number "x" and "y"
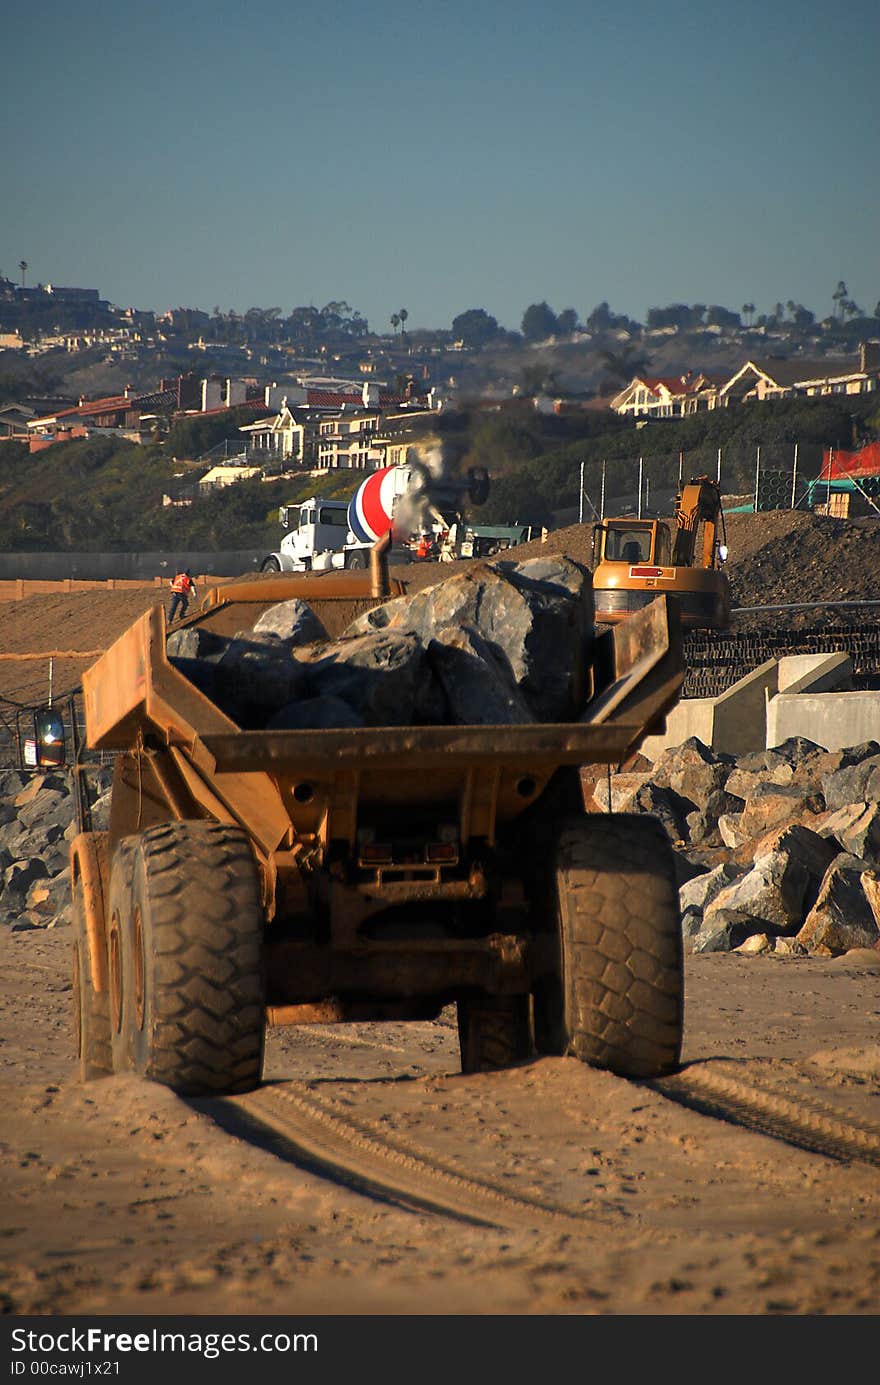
{"x": 293, "y": 621}
{"x": 12, "y": 781}
{"x": 856, "y": 828}
{"x": 252, "y": 680}
{"x": 391, "y": 615}
{"x": 725, "y": 930}
{"x": 377, "y": 675}
{"x": 729, "y": 830}
{"x": 699, "y": 892}
{"x": 744, "y": 782}
{"x": 791, "y": 752}
{"x": 195, "y": 642}
{"x": 773, "y": 892}
{"x": 669, "y": 809}
{"x": 478, "y": 688}
{"x": 842, "y": 917}
{"x": 48, "y": 808}
{"x": 855, "y": 783}
{"x": 808, "y": 849}
{"x": 702, "y": 823}
{"x": 18, "y": 878}
{"x": 100, "y": 811}
{"x": 537, "y": 629}
{"x": 314, "y": 714}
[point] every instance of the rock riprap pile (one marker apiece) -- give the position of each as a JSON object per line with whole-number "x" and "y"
{"x": 37, "y": 824}
{"x": 500, "y": 644}
{"x": 779, "y": 849}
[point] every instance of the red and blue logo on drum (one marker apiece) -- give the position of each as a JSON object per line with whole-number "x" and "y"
{"x": 371, "y": 509}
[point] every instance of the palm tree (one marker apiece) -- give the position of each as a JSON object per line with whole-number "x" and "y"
{"x": 839, "y": 296}
{"x": 395, "y": 321}
{"x": 23, "y": 266}
{"x": 403, "y": 315}
{"x": 624, "y": 364}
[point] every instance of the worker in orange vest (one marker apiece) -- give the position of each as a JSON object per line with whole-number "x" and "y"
{"x": 182, "y": 588}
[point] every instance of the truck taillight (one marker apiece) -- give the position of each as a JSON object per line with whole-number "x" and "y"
{"x": 376, "y": 854}
{"x": 441, "y": 853}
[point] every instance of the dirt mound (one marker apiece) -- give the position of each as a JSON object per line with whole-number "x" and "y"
{"x": 777, "y": 557}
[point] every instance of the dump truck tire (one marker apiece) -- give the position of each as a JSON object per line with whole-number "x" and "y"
{"x": 270, "y": 565}
{"x": 493, "y": 1032}
{"x": 186, "y": 902}
{"x": 357, "y": 561}
{"x": 616, "y": 1000}
{"x": 91, "y": 1008}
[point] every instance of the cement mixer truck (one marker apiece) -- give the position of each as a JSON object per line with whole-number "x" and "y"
{"x": 404, "y": 500}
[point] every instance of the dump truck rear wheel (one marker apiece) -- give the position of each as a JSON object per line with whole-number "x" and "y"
{"x": 357, "y": 561}
{"x": 190, "y": 930}
{"x": 616, "y": 999}
{"x": 91, "y": 1008}
{"x": 270, "y": 565}
{"x": 493, "y": 1032}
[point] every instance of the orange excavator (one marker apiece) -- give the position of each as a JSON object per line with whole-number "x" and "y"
{"x": 634, "y": 560}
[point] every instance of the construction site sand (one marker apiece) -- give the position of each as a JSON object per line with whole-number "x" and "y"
{"x": 121, "y": 1198}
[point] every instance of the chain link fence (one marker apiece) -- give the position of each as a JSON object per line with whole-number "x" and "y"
{"x": 783, "y": 476}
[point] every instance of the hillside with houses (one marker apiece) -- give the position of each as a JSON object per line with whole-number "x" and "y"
{"x": 166, "y": 413}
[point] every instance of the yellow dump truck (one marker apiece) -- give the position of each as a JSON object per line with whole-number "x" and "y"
{"x": 263, "y": 877}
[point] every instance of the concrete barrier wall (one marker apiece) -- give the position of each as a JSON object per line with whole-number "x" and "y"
{"x": 99, "y": 567}
{"x": 832, "y": 720}
{"x": 692, "y": 717}
{"x": 755, "y": 715}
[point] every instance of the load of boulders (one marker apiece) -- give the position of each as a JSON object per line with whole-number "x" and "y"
{"x": 37, "y": 823}
{"x": 778, "y": 850}
{"x": 503, "y": 643}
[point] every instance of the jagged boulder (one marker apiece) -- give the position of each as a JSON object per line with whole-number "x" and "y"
{"x": 538, "y": 628}
{"x": 772, "y": 893}
{"x": 842, "y": 916}
{"x": 703, "y": 823}
{"x": 776, "y": 805}
{"x": 292, "y": 621}
{"x": 723, "y": 930}
{"x": 477, "y": 687}
{"x": 856, "y": 782}
{"x": 380, "y": 675}
{"x": 856, "y": 828}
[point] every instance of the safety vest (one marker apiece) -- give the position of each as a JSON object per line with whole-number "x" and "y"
{"x": 181, "y": 583}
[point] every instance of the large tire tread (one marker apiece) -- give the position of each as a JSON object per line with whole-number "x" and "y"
{"x": 621, "y": 942}
{"x": 198, "y": 889}
{"x": 493, "y": 1033}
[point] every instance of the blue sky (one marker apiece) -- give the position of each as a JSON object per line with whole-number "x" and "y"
{"x": 444, "y": 156}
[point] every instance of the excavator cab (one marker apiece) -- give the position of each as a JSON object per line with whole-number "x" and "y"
{"x": 634, "y": 560}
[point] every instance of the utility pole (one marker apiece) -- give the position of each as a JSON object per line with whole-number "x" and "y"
{"x": 794, "y": 478}
{"x": 602, "y": 496}
{"x": 640, "y": 487}
{"x": 581, "y": 497}
{"x": 757, "y": 475}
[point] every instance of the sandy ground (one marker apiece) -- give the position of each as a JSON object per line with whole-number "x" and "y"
{"x": 120, "y": 1197}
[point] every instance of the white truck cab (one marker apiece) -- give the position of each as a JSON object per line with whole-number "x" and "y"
{"x": 317, "y": 534}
